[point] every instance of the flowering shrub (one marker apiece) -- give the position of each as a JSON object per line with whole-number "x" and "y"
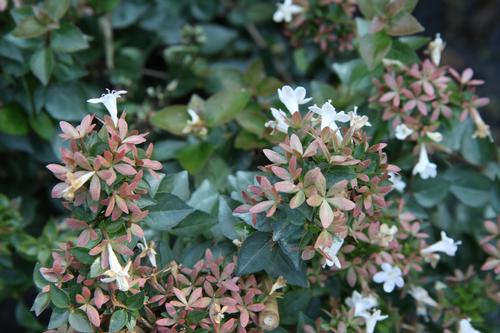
{"x": 279, "y": 211}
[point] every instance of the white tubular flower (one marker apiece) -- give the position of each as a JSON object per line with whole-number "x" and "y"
{"x": 292, "y": 98}
{"x": 390, "y": 276}
{"x": 285, "y": 11}
{"x": 435, "y": 136}
{"x": 402, "y": 131}
{"x": 397, "y": 182}
{"x": 329, "y": 117}
{"x": 279, "y": 123}
{"x": 109, "y": 101}
{"x": 436, "y": 47}
{"x": 332, "y": 252}
{"x": 147, "y": 250}
{"x": 423, "y": 300}
{"x": 361, "y": 304}
{"x": 446, "y": 245}
{"x": 117, "y": 273}
{"x": 357, "y": 122}
{"x": 424, "y": 167}
{"x": 464, "y": 326}
{"x": 372, "y": 319}
{"x": 195, "y": 119}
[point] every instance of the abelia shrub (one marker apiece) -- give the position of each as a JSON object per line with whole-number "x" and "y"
{"x": 109, "y": 278}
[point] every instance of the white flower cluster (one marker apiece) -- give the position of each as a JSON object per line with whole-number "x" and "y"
{"x": 363, "y": 306}
{"x": 293, "y": 98}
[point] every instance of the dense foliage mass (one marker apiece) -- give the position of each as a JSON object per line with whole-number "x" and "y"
{"x": 289, "y": 166}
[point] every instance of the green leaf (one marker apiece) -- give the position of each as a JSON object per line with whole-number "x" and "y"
{"x": 57, "y": 8}
{"x": 255, "y": 73}
{"x": 79, "y": 322}
{"x": 135, "y": 302}
{"x": 58, "y": 318}
{"x": 204, "y": 197}
{"x": 42, "y": 64}
{"x": 41, "y": 302}
{"x": 227, "y": 221}
{"x": 176, "y": 184}
{"x": 193, "y": 225}
{"x": 59, "y": 297}
{"x": 68, "y": 38}
{"x": 415, "y": 42}
{"x": 82, "y": 255}
{"x": 248, "y": 141}
{"x": 374, "y": 47}
{"x": 29, "y": 27}
{"x": 193, "y": 157}
{"x": 402, "y": 52}
{"x": 404, "y": 24}
{"x": 495, "y": 195}
{"x": 293, "y": 302}
{"x": 118, "y": 321}
{"x": 469, "y": 186}
{"x": 42, "y": 125}
{"x": 252, "y": 119}
{"x": 13, "y": 120}
{"x": 66, "y": 101}
{"x": 218, "y": 38}
{"x": 430, "y": 192}
{"x": 168, "y": 212}
{"x": 172, "y": 118}
{"x": 255, "y": 253}
{"x": 224, "y": 106}
{"x": 476, "y": 150}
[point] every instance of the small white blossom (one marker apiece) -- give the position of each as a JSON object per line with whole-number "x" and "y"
{"x": 372, "y": 319}
{"x": 286, "y": 10}
{"x": 423, "y": 300}
{"x": 464, "y": 326}
{"x": 390, "y": 276}
{"x": 109, "y": 101}
{"x": 424, "y": 167}
{"x": 445, "y": 245}
{"x": 147, "y": 250}
{"x": 386, "y": 234}
{"x": 329, "y": 117}
{"x": 397, "y": 182}
{"x": 357, "y": 122}
{"x": 117, "y": 273}
{"x": 292, "y": 98}
{"x": 402, "y": 131}
{"x": 435, "y": 136}
{"x": 361, "y": 304}
{"x": 332, "y": 252}
{"x": 279, "y": 123}
{"x": 436, "y": 47}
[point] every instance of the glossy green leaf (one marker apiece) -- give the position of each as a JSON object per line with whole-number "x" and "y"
{"x": 68, "y": 38}
{"x": 42, "y": 64}
{"x": 224, "y": 106}
{"x": 57, "y": 8}
{"x": 168, "y": 212}
{"x": 255, "y": 253}
{"x": 59, "y": 297}
{"x": 172, "y": 118}
{"x": 79, "y": 322}
{"x": 404, "y": 24}
{"x": 118, "y": 321}
{"x": 193, "y": 157}
{"x": 29, "y": 27}
{"x": 374, "y": 47}
{"x": 469, "y": 186}
{"x": 429, "y": 192}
